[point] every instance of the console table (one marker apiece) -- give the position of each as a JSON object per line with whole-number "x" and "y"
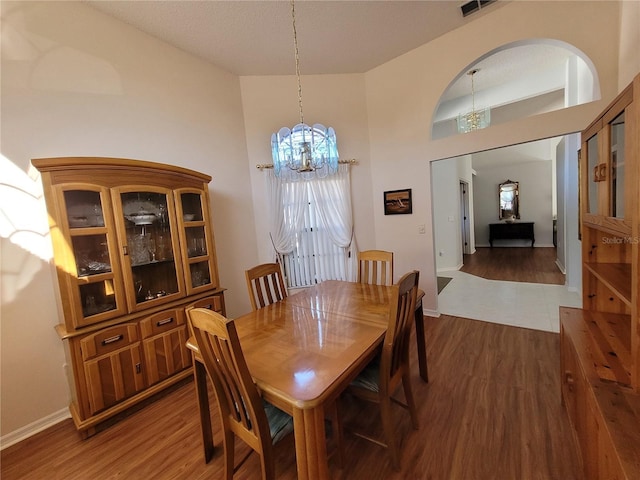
{"x": 511, "y": 231}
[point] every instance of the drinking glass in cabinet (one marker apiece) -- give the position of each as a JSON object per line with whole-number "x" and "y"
{"x": 196, "y": 242}
{"x": 200, "y": 274}
{"x": 97, "y": 297}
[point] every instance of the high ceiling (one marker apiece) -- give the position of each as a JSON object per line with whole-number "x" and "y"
{"x": 256, "y": 37}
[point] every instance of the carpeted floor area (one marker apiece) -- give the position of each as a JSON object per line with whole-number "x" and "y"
{"x": 443, "y": 282}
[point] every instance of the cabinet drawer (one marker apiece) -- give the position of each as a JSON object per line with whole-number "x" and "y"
{"x": 214, "y": 302}
{"x": 108, "y": 340}
{"x": 161, "y": 322}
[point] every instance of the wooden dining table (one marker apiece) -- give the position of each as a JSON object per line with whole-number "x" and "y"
{"x": 302, "y": 353}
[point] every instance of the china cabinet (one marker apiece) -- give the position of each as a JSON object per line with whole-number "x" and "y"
{"x": 133, "y": 247}
{"x": 600, "y": 343}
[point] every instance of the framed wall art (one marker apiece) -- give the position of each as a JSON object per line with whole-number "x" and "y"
{"x": 397, "y": 202}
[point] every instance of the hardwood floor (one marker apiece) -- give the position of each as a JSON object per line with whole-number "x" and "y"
{"x": 491, "y": 411}
{"x": 532, "y": 265}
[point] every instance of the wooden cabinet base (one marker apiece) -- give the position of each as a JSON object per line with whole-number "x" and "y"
{"x": 90, "y": 426}
{"x": 604, "y": 414}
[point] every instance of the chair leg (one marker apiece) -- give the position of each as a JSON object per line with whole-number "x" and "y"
{"x": 387, "y": 425}
{"x": 422, "y": 348}
{"x": 268, "y": 467}
{"x": 411, "y": 404}
{"x": 229, "y": 447}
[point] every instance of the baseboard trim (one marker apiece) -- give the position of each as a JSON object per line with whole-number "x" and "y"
{"x": 450, "y": 269}
{"x": 560, "y": 267}
{"x": 431, "y": 313}
{"x": 33, "y": 428}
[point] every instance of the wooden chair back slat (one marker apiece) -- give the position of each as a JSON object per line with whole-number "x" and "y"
{"x": 265, "y": 285}
{"x": 375, "y": 267}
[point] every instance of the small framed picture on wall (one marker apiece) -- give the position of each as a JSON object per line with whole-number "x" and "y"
{"x": 397, "y": 202}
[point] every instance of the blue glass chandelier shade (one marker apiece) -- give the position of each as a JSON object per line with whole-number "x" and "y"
{"x": 305, "y": 149}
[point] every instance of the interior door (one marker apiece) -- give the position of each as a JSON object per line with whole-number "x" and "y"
{"x": 464, "y": 218}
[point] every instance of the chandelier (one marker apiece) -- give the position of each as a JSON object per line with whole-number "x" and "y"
{"x": 475, "y": 119}
{"x": 304, "y": 148}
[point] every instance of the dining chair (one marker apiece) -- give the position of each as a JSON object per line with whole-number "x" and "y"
{"x": 243, "y": 412}
{"x": 381, "y": 378}
{"x": 215, "y": 303}
{"x": 265, "y": 285}
{"x": 375, "y": 267}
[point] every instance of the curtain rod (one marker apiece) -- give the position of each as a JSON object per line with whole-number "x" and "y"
{"x": 350, "y": 161}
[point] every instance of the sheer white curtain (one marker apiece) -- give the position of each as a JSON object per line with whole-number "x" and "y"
{"x": 312, "y": 226}
{"x": 288, "y": 201}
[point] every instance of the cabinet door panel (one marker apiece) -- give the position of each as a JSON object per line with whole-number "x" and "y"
{"x": 151, "y": 259}
{"x": 197, "y": 241}
{"x": 86, "y": 252}
{"x": 114, "y": 377}
{"x": 166, "y": 354}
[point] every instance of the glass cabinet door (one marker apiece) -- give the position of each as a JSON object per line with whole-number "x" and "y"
{"x": 151, "y": 259}
{"x": 617, "y": 166}
{"x": 593, "y": 173}
{"x": 199, "y": 261}
{"x": 91, "y": 261}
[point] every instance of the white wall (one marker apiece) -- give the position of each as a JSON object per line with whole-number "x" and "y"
{"x": 402, "y": 96}
{"x": 445, "y": 185}
{"x": 77, "y": 82}
{"x": 562, "y": 186}
{"x": 535, "y": 187}
{"x": 573, "y": 248}
{"x": 629, "y": 40}
{"x": 447, "y": 210}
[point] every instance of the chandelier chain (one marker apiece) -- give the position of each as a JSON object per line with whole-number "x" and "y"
{"x": 473, "y": 93}
{"x": 297, "y": 58}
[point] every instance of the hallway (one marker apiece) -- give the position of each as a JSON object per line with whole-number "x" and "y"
{"x": 509, "y": 295}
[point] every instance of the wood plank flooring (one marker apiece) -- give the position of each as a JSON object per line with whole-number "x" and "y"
{"x": 532, "y": 265}
{"x": 491, "y": 411}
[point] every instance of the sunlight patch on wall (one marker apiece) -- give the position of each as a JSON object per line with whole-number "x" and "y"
{"x": 23, "y": 214}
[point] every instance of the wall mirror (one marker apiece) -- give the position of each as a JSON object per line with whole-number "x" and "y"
{"x": 509, "y": 198}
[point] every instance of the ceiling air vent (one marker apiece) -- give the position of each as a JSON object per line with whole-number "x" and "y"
{"x": 474, "y": 6}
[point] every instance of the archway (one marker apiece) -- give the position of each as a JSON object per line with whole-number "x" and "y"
{"x": 517, "y": 80}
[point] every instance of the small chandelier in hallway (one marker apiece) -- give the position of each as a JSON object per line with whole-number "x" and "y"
{"x": 475, "y": 119}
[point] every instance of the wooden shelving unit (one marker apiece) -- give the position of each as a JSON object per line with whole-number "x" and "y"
{"x": 600, "y": 343}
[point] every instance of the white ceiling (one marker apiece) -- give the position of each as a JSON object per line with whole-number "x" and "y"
{"x": 255, "y": 37}
{"x": 541, "y": 150}
{"x": 249, "y": 37}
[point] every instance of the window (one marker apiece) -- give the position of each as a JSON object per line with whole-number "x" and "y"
{"x": 315, "y": 256}
{"x": 312, "y": 226}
